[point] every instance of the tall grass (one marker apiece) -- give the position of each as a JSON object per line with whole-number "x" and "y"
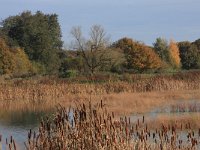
{"x": 92, "y": 127}
{"x": 47, "y": 92}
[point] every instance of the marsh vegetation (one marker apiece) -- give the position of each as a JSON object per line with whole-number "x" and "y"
{"x": 157, "y": 112}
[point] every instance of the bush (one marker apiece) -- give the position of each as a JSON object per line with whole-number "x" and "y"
{"x": 69, "y": 74}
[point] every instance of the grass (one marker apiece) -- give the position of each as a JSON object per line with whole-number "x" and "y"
{"x": 45, "y": 93}
{"x": 191, "y": 120}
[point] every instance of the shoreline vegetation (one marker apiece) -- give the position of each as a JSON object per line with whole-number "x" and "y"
{"x": 135, "y": 94}
{"x": 45, "y": 92}
{"x": 92, "y": 126}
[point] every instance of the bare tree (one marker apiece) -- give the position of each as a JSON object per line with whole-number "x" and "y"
{"x": 94, "y": 50}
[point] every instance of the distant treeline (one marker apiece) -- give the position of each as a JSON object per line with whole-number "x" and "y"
{"x": 31, "y": 44}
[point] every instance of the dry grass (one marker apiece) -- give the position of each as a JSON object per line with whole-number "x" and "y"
{"x": 185, "y": 121}
{"x": 128, "y": 103}
{"x": 44, "y": 97}
{"x": 92, "y": 127}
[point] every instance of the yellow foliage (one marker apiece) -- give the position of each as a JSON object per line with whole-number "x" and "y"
{"x": 7, "y": 63}
{"x": 13, "y": 60}
{"x": 22, "y": 62}
{"x": 174, "y": 54}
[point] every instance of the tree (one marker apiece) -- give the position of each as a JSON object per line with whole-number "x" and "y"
{"x": 138, "y": 56}
{"x": 174, "y": 55}
{"x": 22, "y": 63}
{"x": 192, "y": 58}
{"x": 94, "y": 51}
{"x": 7, "y": 63}
{"x": 190, "y": 55}
{"x": 197, "y": 43}
{"x": 161, "y": 48}
{"x": 13, "y": 60}
{"x": 40, "y": 36}
{"x": 183, "y": 48}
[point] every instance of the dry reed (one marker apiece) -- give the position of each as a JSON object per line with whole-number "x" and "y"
{"x": 91, "y": 127}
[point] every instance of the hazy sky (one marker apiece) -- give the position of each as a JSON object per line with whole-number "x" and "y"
{"x": 142, "y": 20}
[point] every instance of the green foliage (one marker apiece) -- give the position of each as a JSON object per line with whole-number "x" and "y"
{"x": 190, "y": 54}
{"x": 38, "y": 68}
{"x": 197, "y": 43}
{"x": 69, "y": 74}
{"x": 162, "y": 49}
{"x": 184, "y": 47}
{"x": 193, "y": 58}
{"x": 71, "y": 63}
{"x": 40, "y": 36}
{"x": 95, "y": 51}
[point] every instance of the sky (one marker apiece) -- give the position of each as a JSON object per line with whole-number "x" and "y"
{"x": 142, "y": 20}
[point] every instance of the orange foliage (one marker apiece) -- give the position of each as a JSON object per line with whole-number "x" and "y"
{"x": 174, "y": 54}
{"x": 138, "y": 55}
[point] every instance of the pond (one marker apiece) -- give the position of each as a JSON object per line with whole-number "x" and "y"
{"x": 174, "y": 112}
{"x": 177, "y": 109}
{"x": 17, "y": 125}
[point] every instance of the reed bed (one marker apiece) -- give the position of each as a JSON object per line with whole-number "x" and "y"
{"x": 48, "y": 92}
{"x": 184, "y": 107}
{"x": 91, "y": 127}
{"x": 180, "y": 121}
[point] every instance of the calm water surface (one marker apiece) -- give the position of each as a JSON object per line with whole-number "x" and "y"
{"x": 18, "y": 124}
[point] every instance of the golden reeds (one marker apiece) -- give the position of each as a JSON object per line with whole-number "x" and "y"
{"x": 49, "y": 92}
{"x": 92, "y": 127}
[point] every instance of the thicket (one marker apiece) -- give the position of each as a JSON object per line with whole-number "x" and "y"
{"x": 31, "y": 44}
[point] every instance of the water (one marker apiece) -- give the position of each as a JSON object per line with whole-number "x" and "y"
{"x": 17, "y": 124}
{"x": 178, "y": 109}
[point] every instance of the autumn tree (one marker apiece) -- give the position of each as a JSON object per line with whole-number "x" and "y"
{"x": 138, "y": 56}
{"x": 94, "y": 50}
{"x": 40, "y": 36}
{"x": 13, "y": 60}
{"x": 22, "y": 63}
{"x": 174, "y": 55}
{"x": 7, "y": 63}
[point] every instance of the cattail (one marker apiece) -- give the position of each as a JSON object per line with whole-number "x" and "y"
{"x": 138, "y": 122}
{"x": 154, "y": 135}
{"x": 199, "y": 132}
{"x": 14, "y": 145}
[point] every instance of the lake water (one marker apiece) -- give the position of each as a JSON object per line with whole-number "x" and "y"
{"x": 180, "y": 108}
{"x": 17, "y": 124}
